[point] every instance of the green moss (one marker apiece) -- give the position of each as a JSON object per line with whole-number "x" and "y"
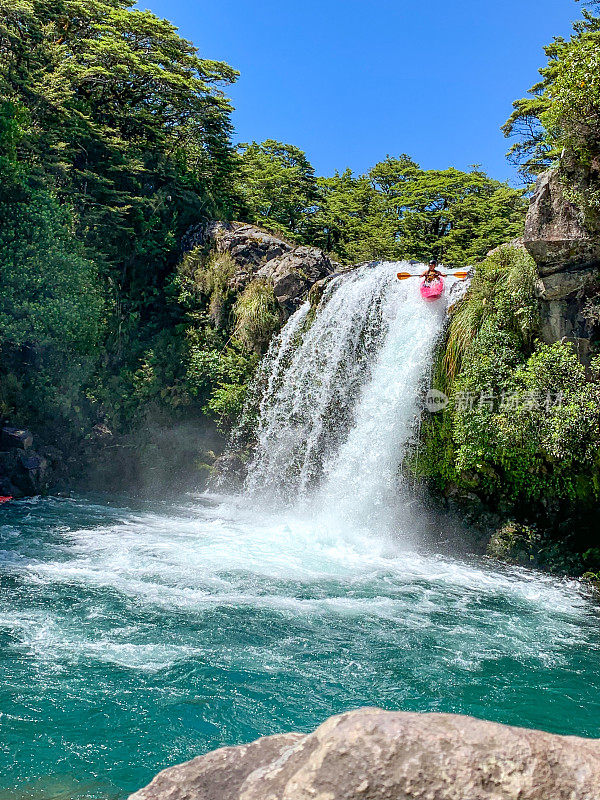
{"x": 515, "y": 543}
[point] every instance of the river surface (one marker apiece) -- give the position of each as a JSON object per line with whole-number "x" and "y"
{"x": 132, "y": 638}
{"x": 136, "y": 635}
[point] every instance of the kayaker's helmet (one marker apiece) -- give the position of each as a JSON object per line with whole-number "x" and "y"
{"x": 433, "y": 263}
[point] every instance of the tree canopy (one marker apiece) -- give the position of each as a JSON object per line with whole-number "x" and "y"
{"x": 277, "y": 187}
{"x": 397, "y": 210}
{"x": 124, "y": 120}
{"x": 562, "y": 112}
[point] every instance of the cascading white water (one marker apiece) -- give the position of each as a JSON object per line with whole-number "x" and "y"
{"x": 341, "y": 399}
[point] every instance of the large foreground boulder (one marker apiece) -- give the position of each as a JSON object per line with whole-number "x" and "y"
{"x": 378, "y": 755}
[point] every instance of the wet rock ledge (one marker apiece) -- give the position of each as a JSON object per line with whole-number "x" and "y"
{"x": 25, "y": 471}
{"x": 380, "y": 755}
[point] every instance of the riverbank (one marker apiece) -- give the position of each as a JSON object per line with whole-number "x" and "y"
{"x": 515, "y": 451}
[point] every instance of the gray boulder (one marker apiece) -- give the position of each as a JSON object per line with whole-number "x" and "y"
{"x": 24, "y": 473}
{"x": 246, "y": 243}
{"x": 378, "y": 755}
{"x": 293, "y": 274}
{"x": 290, "y": 269}
{"x": 218, "y": 775}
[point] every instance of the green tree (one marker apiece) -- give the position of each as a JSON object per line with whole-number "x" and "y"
{"x": 454, "y": 216}
{"x": 277, "y": 187}
{"x": 400, "y": 211}
{"x": 562, "y": 112}
{"x": 126, "y": 120}
{"x": 50, "y": 292}
{"x": 351, "y": 220}
{"x": 51, "y": 303}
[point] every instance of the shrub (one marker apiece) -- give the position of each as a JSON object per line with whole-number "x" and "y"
{"x": 219, "y": 378}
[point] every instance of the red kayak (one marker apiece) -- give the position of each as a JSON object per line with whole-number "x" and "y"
{"x": 5, "y": 499}
{"x": 433, "y": 290}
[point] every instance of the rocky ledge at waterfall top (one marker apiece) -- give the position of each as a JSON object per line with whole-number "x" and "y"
{"x": 290, "y": 269}
{"x": 380, "y": 755}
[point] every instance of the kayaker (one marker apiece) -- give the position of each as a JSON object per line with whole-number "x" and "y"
{"x": 432, "y": 274}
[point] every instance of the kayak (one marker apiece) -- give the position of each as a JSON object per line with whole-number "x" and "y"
{"x": 5, "y": 499}
{"x": 432, "y": 291}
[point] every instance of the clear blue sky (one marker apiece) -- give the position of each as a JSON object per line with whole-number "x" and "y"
{"x": 350, "y": 82}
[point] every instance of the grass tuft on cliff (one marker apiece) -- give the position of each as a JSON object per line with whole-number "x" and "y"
{"x": 501, "y": 291}
{"x": 202, "y": 277}
{"x": 256, "y": 315}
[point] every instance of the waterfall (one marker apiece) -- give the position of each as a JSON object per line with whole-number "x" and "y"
{"x": 341, "y": 397}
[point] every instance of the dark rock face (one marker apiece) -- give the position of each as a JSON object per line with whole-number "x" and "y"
{"x": 23, "y": 471}
{"x": 562, "y": 299}
{"x": 16, "y": 437}
{"x": 379, "y": 755}
{"x": 566, "y": 250}
{"x": 555, "y": 234}
{"x": 290, "y": 269}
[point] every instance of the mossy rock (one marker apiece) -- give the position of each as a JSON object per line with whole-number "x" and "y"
{"x": 515, "y": 543}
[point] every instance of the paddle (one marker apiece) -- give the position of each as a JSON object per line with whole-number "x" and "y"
{"x": 461, "y": 276}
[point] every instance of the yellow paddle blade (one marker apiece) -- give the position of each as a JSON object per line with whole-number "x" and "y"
{"x": 461, "y": 276}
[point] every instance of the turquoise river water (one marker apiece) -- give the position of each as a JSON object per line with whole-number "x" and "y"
{"x": 132, "y": 638}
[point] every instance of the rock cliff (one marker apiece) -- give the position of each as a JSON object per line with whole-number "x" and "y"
{"x": 564, "y": 242}
{"x": 290, "y": 269}
{"x": 378, "y": 755}
{"x": 23, "y": 470}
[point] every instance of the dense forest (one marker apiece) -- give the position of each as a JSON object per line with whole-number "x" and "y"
{"x": 116, "y": 137}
